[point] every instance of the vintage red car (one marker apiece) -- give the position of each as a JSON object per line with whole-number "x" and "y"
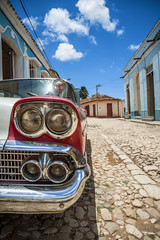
{"x": 43, "y": 139}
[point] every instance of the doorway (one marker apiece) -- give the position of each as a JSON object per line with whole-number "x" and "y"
{"x": 7, "y": 61}
{"x": 94, "y": 110}
{"x": 128, "y": 99}
{"x": 137, "y": 99}
{"x": 109, "y": 109}
{"x": 138, "y": 95}
{"x": 150, "y": 91}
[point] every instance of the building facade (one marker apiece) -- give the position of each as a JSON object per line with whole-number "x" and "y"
{"x": 20, "y": 56}
{"x": 142, "y": 79}
{"x": 103, "y": 106}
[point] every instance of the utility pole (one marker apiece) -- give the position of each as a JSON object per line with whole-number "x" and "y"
{"x": 97, "y": 86}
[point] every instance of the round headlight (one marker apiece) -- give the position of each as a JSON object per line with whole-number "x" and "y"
{"x": 30, "y": 120}
{"x": 31, "y": 171}
{"x": 58, "y": 121}
{"x": 57, "y": 171}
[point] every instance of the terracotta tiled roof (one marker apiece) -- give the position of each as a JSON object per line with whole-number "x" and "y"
{"x": 101, "y": 97}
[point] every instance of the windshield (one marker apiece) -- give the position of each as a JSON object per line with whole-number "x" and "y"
{"x": 36, "y": 87}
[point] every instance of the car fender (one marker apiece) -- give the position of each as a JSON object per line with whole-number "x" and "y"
{"x": 6, "y": 105}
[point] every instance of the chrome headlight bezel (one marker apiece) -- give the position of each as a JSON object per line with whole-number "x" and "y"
{"x": 29, "y": 176}
{"x": 52, "y": 177}
{"x": 63, "y": 113}
{"x": 18, "y": 120}
{"x": 45, "y": 108}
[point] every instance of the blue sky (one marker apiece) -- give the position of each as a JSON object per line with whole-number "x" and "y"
{"x": 91, "y": 41}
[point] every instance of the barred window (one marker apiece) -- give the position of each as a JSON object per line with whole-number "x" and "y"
{"x": 32, "y": 69}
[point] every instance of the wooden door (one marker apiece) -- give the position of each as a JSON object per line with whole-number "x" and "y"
{"x": 94, "y": 110}
{"x": 7, "y": 61}
{"x": 109, "y": 109}
{"x": 150, "y": 95}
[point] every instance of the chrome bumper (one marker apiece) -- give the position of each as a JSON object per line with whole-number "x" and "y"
{"x": 20, "y": 199}
{"x": 43, "y": 199}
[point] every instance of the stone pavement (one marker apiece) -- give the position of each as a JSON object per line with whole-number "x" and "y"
{"x": 121, "y": 200}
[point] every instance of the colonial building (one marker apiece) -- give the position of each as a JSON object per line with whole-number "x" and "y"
{"x": 103, "y": 106}
{"x": 20, "y": 57}
{"x": 142, "y": 79}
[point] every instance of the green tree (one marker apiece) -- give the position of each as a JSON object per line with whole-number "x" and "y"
{"x": 83, "y": 93}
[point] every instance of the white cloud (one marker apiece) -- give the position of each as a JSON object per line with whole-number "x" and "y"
{"x": 59, "y": 23}
{"x": 67, "y": 52}
{"x": 133, "y": 47}
{"x": 51, "y": 35}
{"x": 42, "y": 42}
{"x": 54, "y": 37}
{"x": 93, "y": 40}
{"x": 62, "y": 38}
{"x": 96, "y": 12}
{"x": 120, "y": 32}
{"x": 34, "y": 21}
{"x": 58, "y": 20}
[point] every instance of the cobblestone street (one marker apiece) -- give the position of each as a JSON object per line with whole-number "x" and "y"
{"x": 121, "y": 199}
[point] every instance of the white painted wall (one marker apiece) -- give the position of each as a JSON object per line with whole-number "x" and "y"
{"x": 102, "y": 108}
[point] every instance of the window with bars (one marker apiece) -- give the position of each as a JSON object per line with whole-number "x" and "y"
{"x": 33, "y": 69}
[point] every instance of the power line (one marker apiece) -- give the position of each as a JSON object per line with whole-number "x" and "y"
{"x": 27, "y": 14}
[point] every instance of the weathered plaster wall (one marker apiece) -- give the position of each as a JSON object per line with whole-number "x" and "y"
{"x": 18, "y": 44}
{"x": 153, "y": 57}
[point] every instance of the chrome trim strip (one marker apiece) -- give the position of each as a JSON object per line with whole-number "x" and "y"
{"x": 79, "y": 159}
{"x": 37, "y": 200}
{"x": 84, "y": 130}
{"x": 13, "y": 145}
{"x": 44, "y": 160}
{"x": 2, "y": 142}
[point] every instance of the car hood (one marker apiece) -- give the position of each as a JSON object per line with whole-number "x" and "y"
{"x": 6, "y": 105}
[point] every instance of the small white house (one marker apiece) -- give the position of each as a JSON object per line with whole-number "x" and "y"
{"x": 104, "y": 106}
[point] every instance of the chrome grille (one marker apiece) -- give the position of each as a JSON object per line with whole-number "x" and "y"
{"x": 10, "y": 163}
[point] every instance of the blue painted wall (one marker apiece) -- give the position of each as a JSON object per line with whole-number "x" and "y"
{"x": 150, "y": 55}
{"x": 18, "y": 40}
